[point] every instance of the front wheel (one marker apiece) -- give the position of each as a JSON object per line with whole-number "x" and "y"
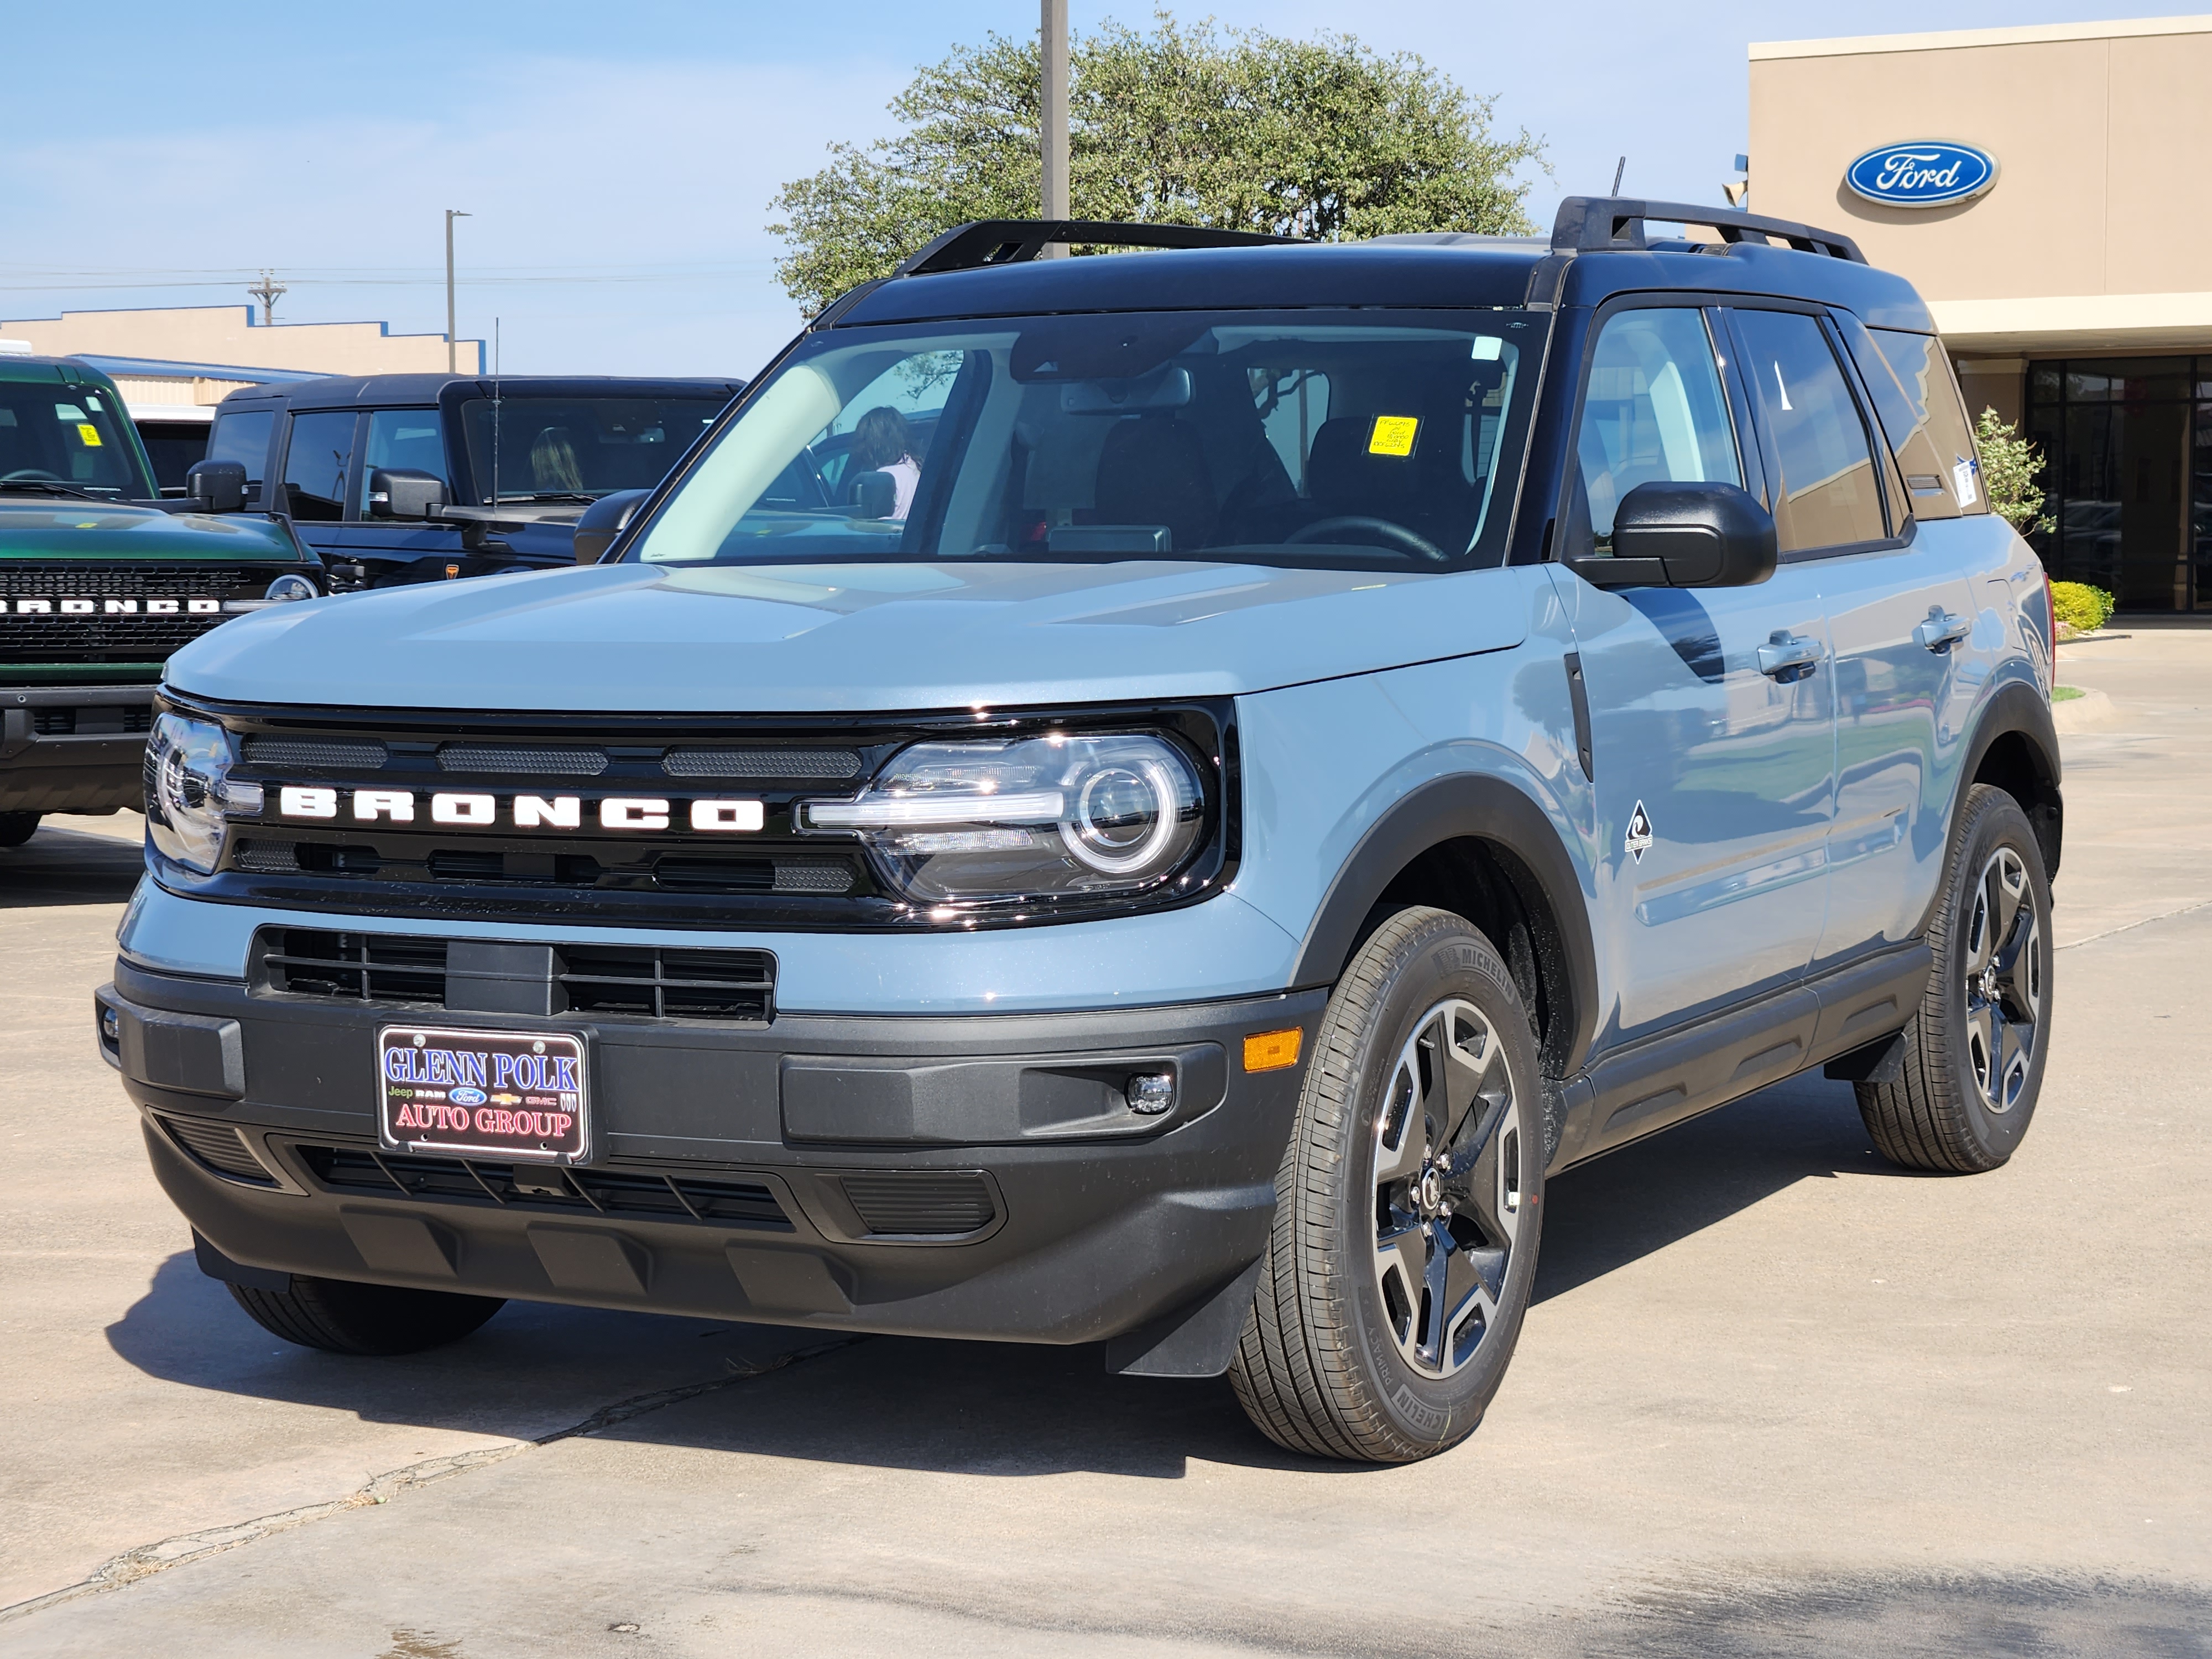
{"x": 340, "y": 1316}
{"x": 1407, "y": 1205}
{"x": 16, "y": 828}
{"x": 1973, "y": 1055}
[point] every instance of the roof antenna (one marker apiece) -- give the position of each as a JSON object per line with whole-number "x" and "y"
{"x": 494, "y": 411}
{"x": 1617, "y": 171}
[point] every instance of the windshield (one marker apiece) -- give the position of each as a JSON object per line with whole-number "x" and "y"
{"x": 579, "y": 448}
{"x": 1345, "y": 439}
{"x": 59, "y": 433}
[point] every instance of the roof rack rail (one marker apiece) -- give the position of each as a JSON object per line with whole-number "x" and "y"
{"x": 1010, "y": 241}
{"x": 1590, "y": 224}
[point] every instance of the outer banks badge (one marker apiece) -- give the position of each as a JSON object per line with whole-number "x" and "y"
{"x": 1639, "y": 838}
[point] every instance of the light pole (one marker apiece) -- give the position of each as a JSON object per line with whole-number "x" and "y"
{"x": 1051, "y": 44}
{"x": 452, "y": 363}
{"x": 268, "y": 292}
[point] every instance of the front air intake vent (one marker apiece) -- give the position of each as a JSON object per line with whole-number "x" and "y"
{"x": 667, "y": 984}
{"x": 922, "y": 1206}
{"x": 506, "y": 761}
{"x": 315, "y": 754}
{"x": 718, "y": 1199}
{"x": 220, "y": 1148}
{"x": 267, "y": 858}
{"x": 357, "y": 967}
{"x": 767, "y": 765}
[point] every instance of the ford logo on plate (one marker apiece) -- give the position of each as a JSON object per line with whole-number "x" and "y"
{"x": 466, "y": 1096}
{"x": 1930, "y": 173}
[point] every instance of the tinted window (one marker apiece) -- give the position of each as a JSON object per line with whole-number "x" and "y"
{"x": 172, "y": 447}
{"x": 1653, "y": 410}
{"x": 412, "y": 439}
{"x": 65, "y": 433}
{"x": 242, "y": 435}
{"x": 1828, "y": 496}
{"x": 1340, "y": 439}
{"x": 1946, "y": 436}
{"x": 315, "y": 465}
{"x": 563, "y": 448}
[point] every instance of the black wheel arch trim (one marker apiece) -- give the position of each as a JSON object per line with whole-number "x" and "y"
{"x": 2019, "y": 708}
{"x": 1471, "y": 806}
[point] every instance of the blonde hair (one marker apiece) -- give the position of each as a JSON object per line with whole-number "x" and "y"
{"x": 553, "y": 461}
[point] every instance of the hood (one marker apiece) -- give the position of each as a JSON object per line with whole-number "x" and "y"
{"x": 634, "y": 638}
{"x": 117, "y": 532}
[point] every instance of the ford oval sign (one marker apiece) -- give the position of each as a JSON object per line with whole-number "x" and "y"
{"x": 1929, "y": 174}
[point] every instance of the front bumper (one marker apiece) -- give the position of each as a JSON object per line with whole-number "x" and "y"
{"x": 970, "y": 1176}
{"x": 93, "y": 766}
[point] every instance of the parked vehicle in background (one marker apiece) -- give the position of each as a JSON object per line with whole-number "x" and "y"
{"x": 400, "y": 478}
{"x": 173, "y": 449}
{"x": 1257, "y": 756}
{"x": 99, "y": 583}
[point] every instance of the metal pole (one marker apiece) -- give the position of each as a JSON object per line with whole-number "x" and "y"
{"x": 452, "y": 362}
{"x": 1052, "y": 42}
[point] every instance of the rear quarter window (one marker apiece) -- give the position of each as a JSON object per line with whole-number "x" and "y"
{"x": 1917, "y": 399}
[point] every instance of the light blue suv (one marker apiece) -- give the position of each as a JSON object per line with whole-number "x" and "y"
{"x": 1146, "y": 800}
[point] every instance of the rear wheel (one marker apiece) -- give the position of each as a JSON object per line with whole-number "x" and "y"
{"x": 1974, "y": 1053}
{"x": 340, "y": 1316}
{"x": 1406, "y": 1214}
{"x": 16, "y": 828}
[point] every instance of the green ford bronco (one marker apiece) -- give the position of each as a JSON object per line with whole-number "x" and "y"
{"x": 99, "y": 581}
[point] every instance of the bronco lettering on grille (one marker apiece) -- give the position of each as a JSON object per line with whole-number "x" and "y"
{"x": 720, "y": 815}
{"x": 146, "y": 607}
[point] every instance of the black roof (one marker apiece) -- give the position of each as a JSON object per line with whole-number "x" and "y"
{"x": 348, "y": 391}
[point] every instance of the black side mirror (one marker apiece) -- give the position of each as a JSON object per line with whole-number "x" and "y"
{"x": 1684, "y": 535}
{"x": 216, "y": 486}
{"x": 875, "y": 495}
{"x": 402, "y": 492}
{"x": 604, "y": 520}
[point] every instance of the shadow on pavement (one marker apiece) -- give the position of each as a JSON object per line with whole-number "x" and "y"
{"x": 68, "y": 866}
{"x": 977, "y": 1408}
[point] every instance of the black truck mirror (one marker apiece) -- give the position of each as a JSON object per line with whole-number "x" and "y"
{"x": 402, "y": 492}
{"x": 874, "y": 495}
{"x": 216, "y": 486}
{"x": 1672, "y": 534}
{"x": 604, "y": 520}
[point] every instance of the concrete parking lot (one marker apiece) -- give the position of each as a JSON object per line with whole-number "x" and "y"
{"x": 1775, "y": 1397}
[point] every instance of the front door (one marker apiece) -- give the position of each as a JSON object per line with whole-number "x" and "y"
{"x": 1712, "y": 710}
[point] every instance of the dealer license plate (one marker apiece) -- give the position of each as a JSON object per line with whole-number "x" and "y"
{"x": 503, "y": 1094}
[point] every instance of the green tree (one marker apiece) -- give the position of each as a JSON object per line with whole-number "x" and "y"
{"x": 1321, "y": 138}
{"x": 2010, "y": 468}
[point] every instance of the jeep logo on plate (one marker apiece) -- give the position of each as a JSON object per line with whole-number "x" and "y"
{"x": 1931, "y": 173}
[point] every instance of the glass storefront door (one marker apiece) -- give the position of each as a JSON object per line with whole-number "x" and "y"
{"x": 2128, "y": 453}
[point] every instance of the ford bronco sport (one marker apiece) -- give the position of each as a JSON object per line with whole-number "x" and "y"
{"x": 1263, "y": 754}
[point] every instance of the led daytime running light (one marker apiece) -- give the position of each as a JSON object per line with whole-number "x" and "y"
{"x": 925, "y": 812}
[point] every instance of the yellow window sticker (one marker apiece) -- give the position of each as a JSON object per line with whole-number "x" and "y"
{"x": 90, "y": 433}
{"x": 1393, "y": 434}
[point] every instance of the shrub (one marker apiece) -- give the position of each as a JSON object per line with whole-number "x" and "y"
{"x": 2080, "y": 606}
{"x": 2010, "y": 470}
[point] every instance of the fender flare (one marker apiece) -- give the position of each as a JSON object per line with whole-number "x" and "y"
{"x": 1467, "y": 806}
{"x": 2018, "y": 706}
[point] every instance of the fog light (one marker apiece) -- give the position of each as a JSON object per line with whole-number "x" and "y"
{"x": 1151, "y": 1093}
{"x": 111, "y": 1027}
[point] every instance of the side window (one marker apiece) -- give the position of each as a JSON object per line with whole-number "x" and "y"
{"x": 409, "y": 438}
{"x": 1923, "y": 368}
{"x": 1829, "y": 495}
{"x": 315, "y": 465}
{"x": 243, "y": 437}
{"x": 1653, "y": 410}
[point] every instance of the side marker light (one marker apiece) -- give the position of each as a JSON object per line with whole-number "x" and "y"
{"x": 1271, "y": 1051}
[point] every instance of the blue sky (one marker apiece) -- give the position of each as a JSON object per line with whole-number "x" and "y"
{"x": 618, "y": 160}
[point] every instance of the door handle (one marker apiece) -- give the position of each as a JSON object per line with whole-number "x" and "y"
{"x": 1942, "y": 630}
{"x": 1788, "y": 658}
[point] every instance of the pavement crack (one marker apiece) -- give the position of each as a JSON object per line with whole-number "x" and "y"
{"x": 2129, "y": 927}
{"x": 177, "y": 1550}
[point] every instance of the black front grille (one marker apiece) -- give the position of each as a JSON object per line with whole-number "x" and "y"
{"x": 356, "y": 967}
{"x": 766, "y": 764}
{"x": 716, "y": 1200}
{"x": 128, "y": 581}
{"x": 97, "y": 719}
{"x": 921, "y": 1204}
{"x": 220, "y": 1148}
{"x": 508, "y": 760}
{"x": 722, "y": 985}
{"x": 646, "y": 980}
{"x": 315, "y": 754}
{"x": 99, "y": 639}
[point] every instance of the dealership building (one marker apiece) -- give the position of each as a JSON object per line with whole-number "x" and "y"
{"x": 2045, "y": 190}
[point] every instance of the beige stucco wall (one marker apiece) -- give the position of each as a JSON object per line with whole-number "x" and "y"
{"x": 2099, "y": 232}
{"x": 226, "y": 335}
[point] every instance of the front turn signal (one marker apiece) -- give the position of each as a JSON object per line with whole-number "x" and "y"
{"x": 1271, "y": 1051}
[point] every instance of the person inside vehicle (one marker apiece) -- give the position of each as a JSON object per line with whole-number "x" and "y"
{"x": 881, "y": 443}
{"x": 553, "y": 462}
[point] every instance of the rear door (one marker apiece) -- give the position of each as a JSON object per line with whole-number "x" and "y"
{"x": 1712, "y": 720}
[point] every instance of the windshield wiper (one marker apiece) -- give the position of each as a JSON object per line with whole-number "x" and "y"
{"x": 46, "y": 487}
{"x": 550, "y": 495}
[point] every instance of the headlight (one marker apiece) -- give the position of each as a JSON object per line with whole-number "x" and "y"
{"x": 188, "y": 789}
{"x": 1027, "y": 817}
{"x": 290, "y": 586}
